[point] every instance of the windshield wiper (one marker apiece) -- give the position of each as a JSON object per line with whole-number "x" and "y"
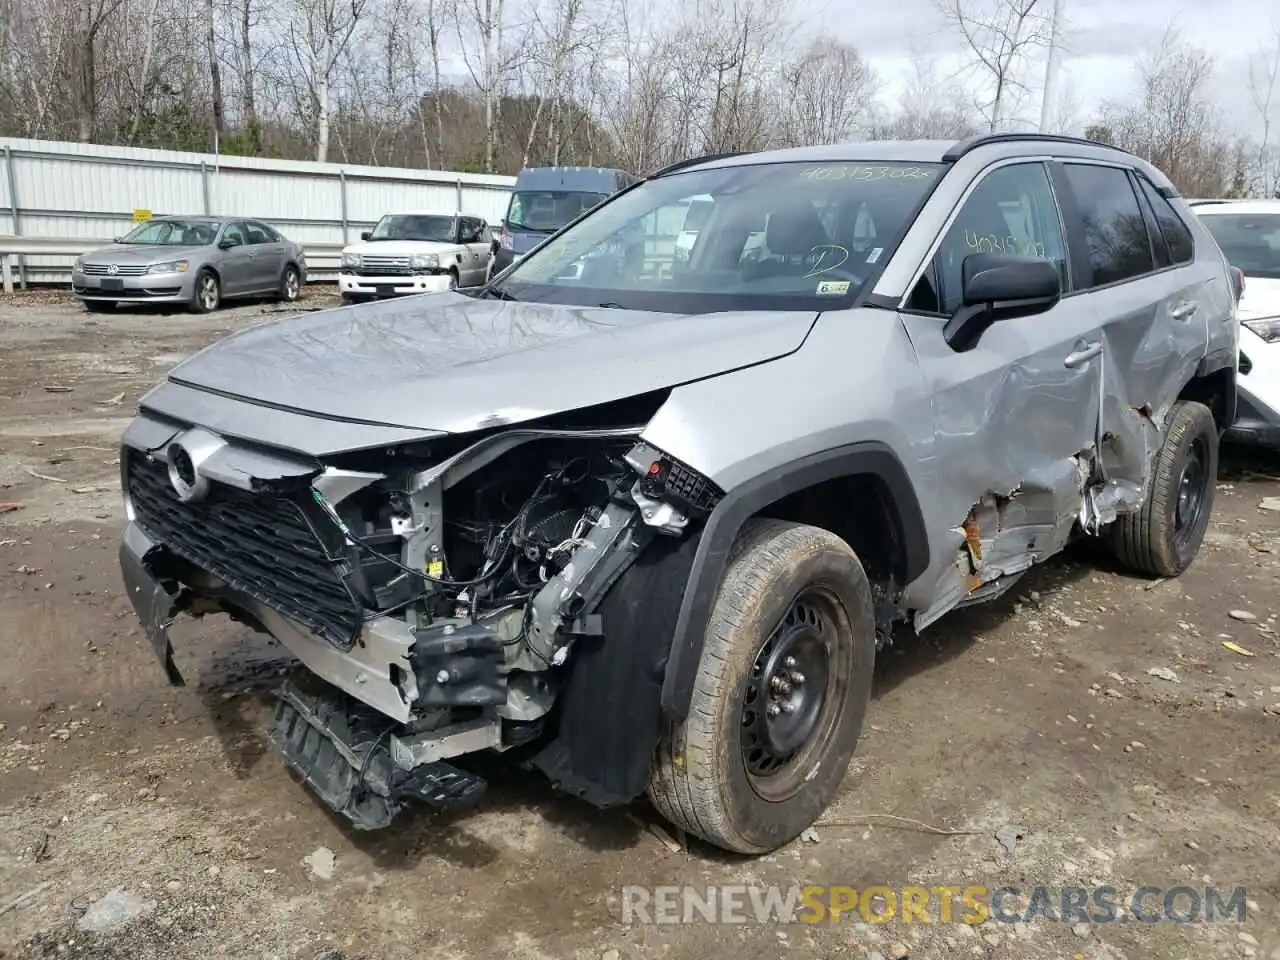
{"x": 493, "y": 293}
{"x": 528, "y": 229}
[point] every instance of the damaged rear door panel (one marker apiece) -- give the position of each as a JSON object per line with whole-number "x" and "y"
{"x": 1156, "y": 304}
{"x": 1016, "y": 416}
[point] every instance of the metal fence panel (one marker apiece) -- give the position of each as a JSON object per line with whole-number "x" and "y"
{"x": 75, "y": 190}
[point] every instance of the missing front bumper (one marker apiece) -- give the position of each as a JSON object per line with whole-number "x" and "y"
{"x": 161, "y": 586}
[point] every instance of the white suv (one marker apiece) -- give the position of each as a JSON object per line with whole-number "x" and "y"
{"x": 415, "y": 252}
{"x": 1248, "y": 231}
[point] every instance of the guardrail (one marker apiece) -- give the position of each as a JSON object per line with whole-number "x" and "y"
{"x": 322, "y": 258}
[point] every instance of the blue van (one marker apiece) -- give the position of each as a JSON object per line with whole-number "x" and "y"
{"x": 544, "y": 199}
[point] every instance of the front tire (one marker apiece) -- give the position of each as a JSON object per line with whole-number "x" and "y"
{"x": 1163, "y": 538}
{"x": 781, "y": 692}
{"x": 290, "y": 284}
{"x": 208, "y": 292}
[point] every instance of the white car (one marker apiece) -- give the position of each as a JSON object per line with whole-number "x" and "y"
{"x": 1248, "y": 231}
{"x": 415, "y": 252}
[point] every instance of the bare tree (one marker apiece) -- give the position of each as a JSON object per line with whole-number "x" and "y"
{"x": 93, "y": 18}
{"x": 558, "y": 39}
{"x": 215, "y": 73}
{"x": 1000, "y": 35}
{"x": 828, "y": 92}
{"x": 1173, "y": 121}
{"x": 1264, "y": 77}
{"x": 929, "y": 108}
{"x": 245, "y": 19}
{"x": 486, "y": 21}
{"x": 437, "y": 16}
{"x": 564, "y": 81}
{"x": 319, "y": 32}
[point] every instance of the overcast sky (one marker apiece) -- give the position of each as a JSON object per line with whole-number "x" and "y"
{"x": 1105, "y": 39}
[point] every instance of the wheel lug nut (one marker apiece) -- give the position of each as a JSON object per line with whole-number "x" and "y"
{"x": 789, "y": 662}
{"x": 788, "y": 707}
{"x": 797, "y": 678}
{"x": 773, "y": 710}
{"x": 777, "y": 683}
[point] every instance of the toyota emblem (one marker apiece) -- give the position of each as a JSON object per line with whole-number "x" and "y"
{"x": 113, "y": 269}
{"x": 186, "y": 481}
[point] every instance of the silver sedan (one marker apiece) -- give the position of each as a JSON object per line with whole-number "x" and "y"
{"x": 196, "y": 261}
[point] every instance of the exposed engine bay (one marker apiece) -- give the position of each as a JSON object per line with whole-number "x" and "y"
{"x": 439, "y": 603}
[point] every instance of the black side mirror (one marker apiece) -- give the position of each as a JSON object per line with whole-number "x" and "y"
{"x": 226, "y": 243}
{"x": 117, "y": 239}
{"x": 366, "y": 234}
{"x": 999, "y": 286}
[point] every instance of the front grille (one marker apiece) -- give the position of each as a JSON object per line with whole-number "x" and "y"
{"x": 383, "y": 266}
{"x": 122, "y": 270}
{"x": 260, "y": 544}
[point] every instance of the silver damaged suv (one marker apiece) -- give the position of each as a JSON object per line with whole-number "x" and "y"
{"x": 642, "y": 522}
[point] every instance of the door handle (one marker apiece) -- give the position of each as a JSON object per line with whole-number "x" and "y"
{"x": 1184, "y": 310}
{"x": 1083, "y": 353}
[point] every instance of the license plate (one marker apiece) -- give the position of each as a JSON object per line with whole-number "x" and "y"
{"x": 386, "y": 290}
{"x": 112, "y": 284}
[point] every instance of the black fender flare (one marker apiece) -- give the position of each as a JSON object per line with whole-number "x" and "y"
{"x": 745, "y": 500}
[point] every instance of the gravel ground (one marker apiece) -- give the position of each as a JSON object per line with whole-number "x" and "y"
{"x": 1091, "y": 730}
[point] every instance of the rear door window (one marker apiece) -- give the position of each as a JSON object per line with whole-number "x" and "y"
{"x": 1115, "y": 232}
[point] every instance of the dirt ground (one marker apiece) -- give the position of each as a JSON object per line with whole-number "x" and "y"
{"x": 1033, "y": 728}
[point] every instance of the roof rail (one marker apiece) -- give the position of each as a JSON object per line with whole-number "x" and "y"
{"x": 961, "y": 147}
{"x": 692, "y": 161}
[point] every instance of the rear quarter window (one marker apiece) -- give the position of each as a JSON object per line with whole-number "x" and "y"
{"x": 1176, "y": 233}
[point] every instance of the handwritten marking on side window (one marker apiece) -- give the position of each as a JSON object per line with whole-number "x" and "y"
{"x": 990, "y": 243}
{"x": 863, "y": 174}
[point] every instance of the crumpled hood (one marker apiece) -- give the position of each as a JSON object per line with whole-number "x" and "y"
{"x": 398, "y": 248}
{"x": 453, "y": 363}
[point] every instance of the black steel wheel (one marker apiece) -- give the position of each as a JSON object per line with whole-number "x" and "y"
{"x": 1194, "y": 484}
{"x": 1164, "y": 537}
{"x": 792, "y": 680}
{"x": 782, "y": 689}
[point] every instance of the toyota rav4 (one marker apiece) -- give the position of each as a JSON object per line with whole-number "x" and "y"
{"x": 643, "y": 523}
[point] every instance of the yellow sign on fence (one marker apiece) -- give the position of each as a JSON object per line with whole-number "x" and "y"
{"x": 141, "y": 216}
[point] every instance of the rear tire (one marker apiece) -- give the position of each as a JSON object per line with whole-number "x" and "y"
{"x": 792, "y": 632}
{"x": 1163, "y": 538}
{"x": 453, "y": 280}
{"x": 208, "y": 292}
{"x": 100, "y": 306}
{"x": 290, "y": 285}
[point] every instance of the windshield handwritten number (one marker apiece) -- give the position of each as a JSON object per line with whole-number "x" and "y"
{"x": 820, "y": 265}
{"x": 864, "y": 174}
